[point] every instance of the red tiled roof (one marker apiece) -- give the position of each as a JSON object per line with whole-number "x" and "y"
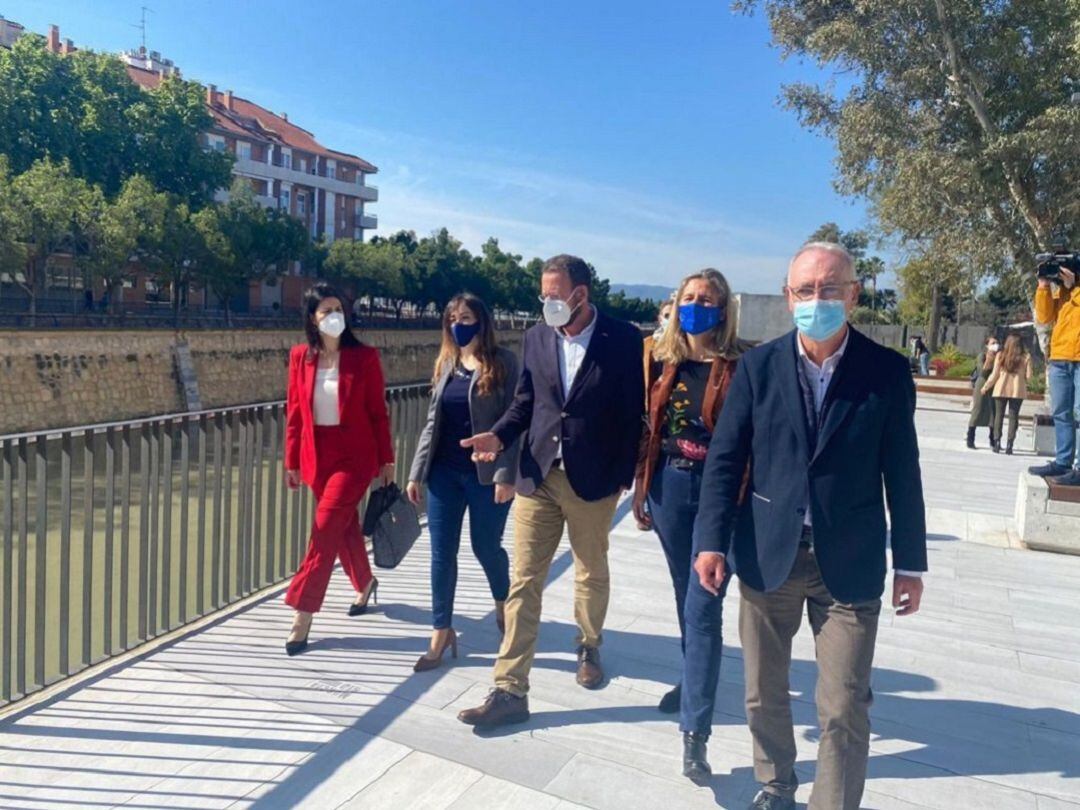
{"x": 247, "y": 119}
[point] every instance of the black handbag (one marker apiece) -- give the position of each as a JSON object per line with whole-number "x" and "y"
{"x": 392, "y": 524}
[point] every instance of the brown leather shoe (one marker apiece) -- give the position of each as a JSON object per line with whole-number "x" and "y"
{"x": 500, "y": 708}
{"x": 589, "y": 672}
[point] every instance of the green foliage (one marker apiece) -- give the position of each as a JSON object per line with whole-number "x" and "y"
{"x": 951, "y": 353}
{"x": 956, "y": 123}
{"x": 83, "y": 109}
{"x": 962, "y": 368}
{"x": 1037, "y": 384}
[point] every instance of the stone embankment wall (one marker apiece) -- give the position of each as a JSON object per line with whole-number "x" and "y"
{"x": 66, "y": 378}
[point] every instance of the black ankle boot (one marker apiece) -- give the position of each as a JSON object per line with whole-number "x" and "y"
{"x": 971, "y": 439}
{"x": 695, "y": 763}
{"x": 1008, "y": 449}
{"x": 995, "y": 445}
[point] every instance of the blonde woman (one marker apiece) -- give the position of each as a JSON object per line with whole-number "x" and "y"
{"x": 1008, "y": 382}
{"x": 693, "y": 363}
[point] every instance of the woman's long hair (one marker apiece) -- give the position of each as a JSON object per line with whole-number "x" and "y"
{"x": 492, "y": 372}
{"x": 1013, "y": 355}
{"x": 314, "y": 296}
{"x": 672, "y": 345}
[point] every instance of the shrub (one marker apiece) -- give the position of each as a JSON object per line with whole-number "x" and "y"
{"x": 1037, "y": 384}
{"x": 951, "y": 353}
{"x": 940, "y": 366}
{"x": 962, "y": 368}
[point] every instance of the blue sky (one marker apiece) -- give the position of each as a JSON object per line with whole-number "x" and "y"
{"x": 642, "y": 136}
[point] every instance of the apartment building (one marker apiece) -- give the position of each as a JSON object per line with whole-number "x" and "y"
{"x": 327, "y": 190}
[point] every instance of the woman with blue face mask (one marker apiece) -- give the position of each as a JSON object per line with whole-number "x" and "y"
{"x": 693, "y": 363}
{"x": 472, "y": 386}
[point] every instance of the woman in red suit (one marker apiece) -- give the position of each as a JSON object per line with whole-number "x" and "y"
{"x": 337, "y": 440}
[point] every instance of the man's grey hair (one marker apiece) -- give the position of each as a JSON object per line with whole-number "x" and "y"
{"x": 829, "y": 247}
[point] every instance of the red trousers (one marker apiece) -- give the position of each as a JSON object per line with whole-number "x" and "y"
{"x": 335, "y": 532}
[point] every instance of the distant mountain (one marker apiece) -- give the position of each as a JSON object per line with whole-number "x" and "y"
{"x": 648, "y": 292}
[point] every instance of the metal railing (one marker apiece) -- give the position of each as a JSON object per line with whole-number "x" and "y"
{"x": 116, "y": 533}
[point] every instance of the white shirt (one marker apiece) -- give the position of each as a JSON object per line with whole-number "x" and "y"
{"x": 819, "y": 378}
{"x": 571, "y": 355}
{"x": 325, "y": 405}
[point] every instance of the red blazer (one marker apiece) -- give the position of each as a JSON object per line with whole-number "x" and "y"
{"x": 365, "y": 422}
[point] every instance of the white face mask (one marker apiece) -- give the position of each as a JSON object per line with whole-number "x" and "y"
{"x": 332, "y": 324}
{"x": 993, "y": 347}
{"x": 558, "y": 313}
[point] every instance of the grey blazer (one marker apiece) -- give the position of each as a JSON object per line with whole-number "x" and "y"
{"x": 485, "y": 411}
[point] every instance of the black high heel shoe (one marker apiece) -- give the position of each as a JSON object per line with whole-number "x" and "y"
{"x": 357, "y": 609}
{"x": 299, "y": 645}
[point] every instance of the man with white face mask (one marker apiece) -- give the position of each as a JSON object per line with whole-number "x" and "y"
{"x": 579, "y": 402}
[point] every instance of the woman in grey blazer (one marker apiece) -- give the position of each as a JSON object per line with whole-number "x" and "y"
{"x": 472, "y": 386}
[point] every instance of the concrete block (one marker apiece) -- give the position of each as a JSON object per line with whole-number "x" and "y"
{"x": 1044, "y": 524}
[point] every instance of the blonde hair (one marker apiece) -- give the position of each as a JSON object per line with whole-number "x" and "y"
{"x": 673, "y": 347}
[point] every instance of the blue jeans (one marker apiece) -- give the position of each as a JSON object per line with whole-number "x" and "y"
{"x": 449, "y": 493}
{"x": 1065, "y": 405}
{"x": 924, "y": 364}
{"x": 673, "y": 505}
{"x": 701, "y": 656}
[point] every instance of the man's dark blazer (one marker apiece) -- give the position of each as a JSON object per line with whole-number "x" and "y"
{"x": 867, "y": 440}
{"x": 599, "y": 420}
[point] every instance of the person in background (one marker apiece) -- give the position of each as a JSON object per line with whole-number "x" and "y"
{"x": 982, "y": 406}
{"x": 337, "y": 440}
{"x": 579, "y": 406}
{"x": 1059, "y": 304}
{"x": 1008, "y": 384}
{"x": 472, "y": 386}
{"x": 828, "y": 418}
{"x": 922, "y": 354}
{"x": 693, "y": 363}
{"x": 664, "y": 317}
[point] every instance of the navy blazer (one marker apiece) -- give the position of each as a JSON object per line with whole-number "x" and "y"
{"x": 866, "y": 452}
{"x": 598, "y": 420}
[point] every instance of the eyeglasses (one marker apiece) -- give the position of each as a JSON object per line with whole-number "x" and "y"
{"x": 826, "y": 292}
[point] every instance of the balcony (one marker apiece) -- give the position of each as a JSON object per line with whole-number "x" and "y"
{"x": 367, "y": 221}
{"x": 269, "y": 171}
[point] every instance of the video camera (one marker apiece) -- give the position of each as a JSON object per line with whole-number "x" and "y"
{"x": 1051, "y": 264}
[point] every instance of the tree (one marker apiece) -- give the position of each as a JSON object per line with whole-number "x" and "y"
{"x": 129, "y": 229}
{"x": 244, "y": 243}
{"x": 83, "y": 108}
{"x": 956, "y": 126}
{"x": 169, "y": 122}
{"x": 52, "y": 207}
{"x": 442, "y": 267}
{"x": 12, "y": 251}
{"x": 373, "y": 268}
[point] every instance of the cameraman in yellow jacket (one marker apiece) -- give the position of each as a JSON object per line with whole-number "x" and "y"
{"x": 1059, "y": 304}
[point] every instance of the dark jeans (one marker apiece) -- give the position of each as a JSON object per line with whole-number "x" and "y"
{"x": 1000, "y": 405}
{"x": 701, "y": 656}
{"x": 449, "y": 493}
{"x": 673, "y": 505}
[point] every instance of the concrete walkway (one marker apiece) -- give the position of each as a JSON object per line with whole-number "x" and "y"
{"x": 977, "y": 698}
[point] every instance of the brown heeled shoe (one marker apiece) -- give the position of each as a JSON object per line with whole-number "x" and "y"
{"x": 371, "y": 595}
{"x": 427, "y": 661}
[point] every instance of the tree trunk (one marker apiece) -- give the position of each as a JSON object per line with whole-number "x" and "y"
{"x": 935, "y": 319}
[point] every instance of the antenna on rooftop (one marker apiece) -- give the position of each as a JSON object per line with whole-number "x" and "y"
{"x": 141, "y": 25}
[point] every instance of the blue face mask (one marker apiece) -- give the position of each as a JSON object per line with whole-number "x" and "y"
{"x": 820, "y": 320}
{"x": 464, "y": 332}
{"x": 697, "y": 318}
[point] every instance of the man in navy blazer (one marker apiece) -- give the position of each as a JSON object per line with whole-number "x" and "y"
{"x": 579, "y": 402}
{"x": 816, "y": 436}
